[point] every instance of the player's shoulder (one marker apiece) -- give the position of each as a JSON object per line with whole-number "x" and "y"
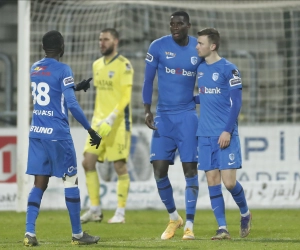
{"x": 162, "y": 40}
{"x": 193, "y": 40}
{"x": 123, "y": 59}
{"x": 124, "y": 62}
{"x": 98, "y": 61}
{"x": 228, "y": 65}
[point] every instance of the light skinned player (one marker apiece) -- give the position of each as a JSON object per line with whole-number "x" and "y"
{"x": 113, "y": 79}
{"x": 51, "y": 150}
{"x": 220, "y": 97}
{"x": 175, "y": 60}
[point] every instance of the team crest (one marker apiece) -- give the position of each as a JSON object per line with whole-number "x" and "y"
{"x": 111, "y": 74}
{"x": 231, "y": 156}
{"x": 215, "y": 76}
{"x": 194, "y": 60}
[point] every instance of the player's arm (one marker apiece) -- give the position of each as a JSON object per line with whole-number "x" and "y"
{"x": 83, "y": 85}
{"x": 196, "y": 99}
{"x": 105, "y": 126}
{"x": 78, "y": 114}
{"x": 147, "y": 91}
{"x": 236, "y": 104}
{"x": 126, "y": 82}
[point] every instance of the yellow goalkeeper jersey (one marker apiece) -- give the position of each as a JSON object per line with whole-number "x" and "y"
{"x": 110, "y": 78}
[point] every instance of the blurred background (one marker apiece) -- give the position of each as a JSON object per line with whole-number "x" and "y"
{"x": 261, "y": 37}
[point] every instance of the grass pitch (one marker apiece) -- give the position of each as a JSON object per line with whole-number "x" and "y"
{"x": 271, "y": 229}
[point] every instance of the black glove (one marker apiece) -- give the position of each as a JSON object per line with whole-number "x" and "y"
{"x": 84, "y": 84}
{"x": 95, "y": 138}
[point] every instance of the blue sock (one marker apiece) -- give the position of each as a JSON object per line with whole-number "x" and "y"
{"x": 33, "y": 208}
{"x": 166, "y": 193}
{"x": 239, "y": 197}
{"x": 217, "y": 204}
{"x": 72, "y": 198}
{"x": 191, "y": 196}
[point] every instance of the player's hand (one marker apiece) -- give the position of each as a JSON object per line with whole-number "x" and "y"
{"x": 224, "y": 139}
{"x": 83, "y": 85}
{"x": 149, "y": 120}
{"x": 95, "y": 138}
{"x": 104, "y": 128}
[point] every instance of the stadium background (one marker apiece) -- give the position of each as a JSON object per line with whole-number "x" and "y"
{"x": 261, "y": 37}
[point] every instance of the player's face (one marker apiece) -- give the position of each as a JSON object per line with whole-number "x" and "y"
{"x": 107, "y": 43}
{"x": 179, "y": 28}
{"x": 204, "y": 47}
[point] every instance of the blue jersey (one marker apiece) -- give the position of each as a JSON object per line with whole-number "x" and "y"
{"x": 49, "y": 78}
{"x": 176, "y": 69}
{"x": 214, "y": 83}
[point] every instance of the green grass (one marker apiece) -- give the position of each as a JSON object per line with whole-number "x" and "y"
{"x": 272, "y": 229}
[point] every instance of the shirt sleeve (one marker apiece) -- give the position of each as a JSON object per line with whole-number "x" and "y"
{"x": 147, "y": 91}
{"x": 67, "y": 80}
{"x": 152, "y": 57}
{"x": 236, "y": 104}
{"x": 75, "y": 109}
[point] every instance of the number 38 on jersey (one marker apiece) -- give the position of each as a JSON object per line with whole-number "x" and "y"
{"x": 40, "y": 93}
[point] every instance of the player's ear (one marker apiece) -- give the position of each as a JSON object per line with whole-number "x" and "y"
{"x": 62, "y": 50}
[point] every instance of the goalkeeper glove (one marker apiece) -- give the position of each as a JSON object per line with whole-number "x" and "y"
{"x": 83, "y": 85}
{"x": 95, "y": 138}
{"x": 106, "y": 125}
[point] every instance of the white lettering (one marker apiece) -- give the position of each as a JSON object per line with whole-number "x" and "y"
{"x": 179, "y": 71}
{"x": 41, "y": 130}
{"x": 204, "y": 90}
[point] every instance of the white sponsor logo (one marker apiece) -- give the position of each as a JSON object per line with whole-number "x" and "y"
{"x": 215, "y": 76}
{"x": 42, "y": 112}
{"x": 71, "y": 169}
{"x": 200, "y": 74}
{"x": 204, "y": 90}
{"x": 231, "y": 163}
{"x": 194, "y": 60}
{"x": 215, "y": 208}
{"x": 68, "y": 80}
{"x": 170, "y": 55}
{"x": 41, "y": 130}
{"x": 236, "y": 80}
{"x": 152, "y": 155}
{"x": 149, "y": 57}
{"x": 179, "y": 71}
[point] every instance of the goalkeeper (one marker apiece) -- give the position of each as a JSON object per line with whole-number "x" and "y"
{"x": 113, "y": 78}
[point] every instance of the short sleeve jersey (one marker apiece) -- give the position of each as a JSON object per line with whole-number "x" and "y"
{"x": 176, "y": 70}
{"x": 49, "y": 78}
{"x": 109, "y": 79}
{"x": 214, "y": 84}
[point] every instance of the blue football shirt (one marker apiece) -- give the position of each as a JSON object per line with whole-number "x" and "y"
{"x": 214, "y": 84}
{"x": 49, "y": 78}
{"x": 176, "y": 70}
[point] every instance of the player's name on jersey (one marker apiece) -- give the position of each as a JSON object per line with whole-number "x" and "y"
{"x": 43, "y": 112}
{"x": 41, "y": 130}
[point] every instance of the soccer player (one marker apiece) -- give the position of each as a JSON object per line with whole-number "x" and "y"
{"x": 175, "y": 59}
{"x": 220, "y": 95}
{"x": 51, "y": 151}
{"x": 113, "y": 79}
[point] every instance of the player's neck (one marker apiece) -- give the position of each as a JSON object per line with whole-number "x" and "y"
{"x": 212, "y": 58}
{"x": 56, "y": 57}
{"x": 108, "y": 58}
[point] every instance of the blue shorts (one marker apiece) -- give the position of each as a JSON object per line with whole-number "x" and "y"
{"x": 176, "y": 131}
{"x": 51, "y": 158}
{"x": 212, "y": 157}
